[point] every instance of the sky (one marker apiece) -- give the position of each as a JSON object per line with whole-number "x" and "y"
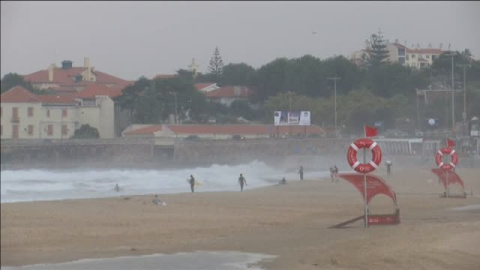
{"x": 134, "y": 39}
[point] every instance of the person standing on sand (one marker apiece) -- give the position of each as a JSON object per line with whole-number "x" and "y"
{"x": 191, "y": 181}
{"x": 242, "y": 181}
{"x": 117, "y": 188}
{"x": 331, "y": 173}
{"x": 283, "y": 181}
{"x": 301, "y": 172}
{"x": 335, "y": 171}
{"x": 389, "y": 165}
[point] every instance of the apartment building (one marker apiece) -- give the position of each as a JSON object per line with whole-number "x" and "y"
{"x": 25, "y": 115}
{"x": 398, "y": 53}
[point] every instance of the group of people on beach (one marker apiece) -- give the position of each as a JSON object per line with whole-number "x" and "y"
{"x": 241, "y": 181}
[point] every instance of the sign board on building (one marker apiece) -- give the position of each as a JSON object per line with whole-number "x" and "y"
{"x": 284, "y": 118}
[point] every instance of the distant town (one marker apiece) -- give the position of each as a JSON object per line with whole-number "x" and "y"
{"x": 397, "y": 88}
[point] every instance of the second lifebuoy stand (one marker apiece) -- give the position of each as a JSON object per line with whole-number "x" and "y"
{"x": 364, "y": 168}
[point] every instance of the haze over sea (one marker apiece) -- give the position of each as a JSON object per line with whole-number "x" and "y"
{"x": 45, "y": 185}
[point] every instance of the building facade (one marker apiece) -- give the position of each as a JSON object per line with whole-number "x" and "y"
{"x": 25, "y": 115}
{"x": 398, "y": 53}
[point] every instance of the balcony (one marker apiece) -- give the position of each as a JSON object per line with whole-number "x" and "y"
{"x": 15, "y": 119}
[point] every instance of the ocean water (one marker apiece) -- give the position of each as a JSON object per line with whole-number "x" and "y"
{"x": 200, "y": 260}
{"x": 44, "y": 185}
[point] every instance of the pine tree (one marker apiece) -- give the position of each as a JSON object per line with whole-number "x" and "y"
{"x": 377, "y": 50}
{"x": 216, "y": 65}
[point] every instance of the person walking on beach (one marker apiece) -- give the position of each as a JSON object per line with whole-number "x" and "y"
{"x": 331, "y": 173}
{"x": 301, "y": 172}
{"x": 335, "y": 172}
{"x": 283, "y": 181}
{"x": 389, "y": 165}
{"x": 242, "y": 181}
{"x": 117, "y": 188}
{"x": 191, "y": 181}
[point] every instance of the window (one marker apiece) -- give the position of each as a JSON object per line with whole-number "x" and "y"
{"x": 50, "y": 130}
{"x": 15, "y": 115}
{"x": 48, "y": 113}
{"x": 64, "y": 130}
{"x": 413, "y": 56}
{"x": 30, "y": 130}
{"x": 64, "y": 113}
{"x": 30, "y": 111}
{"x": 401, "y": 60}
{"x": 428, "y": 56}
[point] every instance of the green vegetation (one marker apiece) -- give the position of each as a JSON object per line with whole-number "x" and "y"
{"x": 86, "y": 132}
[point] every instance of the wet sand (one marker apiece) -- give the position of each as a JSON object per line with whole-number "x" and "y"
{"x": 289, "y": 221}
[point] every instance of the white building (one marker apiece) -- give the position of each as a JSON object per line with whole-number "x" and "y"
{"x": 25, "y": 115}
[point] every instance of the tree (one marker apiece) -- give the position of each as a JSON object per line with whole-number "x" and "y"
{"x": 376, "y": 50}
{"x": 216, "y": 65}
{"x": 237, "y": 74}
{"x": 241, "y": 108}
{"x": 11, "y": 80}
{"x": 86, "y": 132}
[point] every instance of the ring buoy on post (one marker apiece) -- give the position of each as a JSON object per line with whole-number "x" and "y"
{"x": 364, "y": 167}
{"x": 453, "y": 158}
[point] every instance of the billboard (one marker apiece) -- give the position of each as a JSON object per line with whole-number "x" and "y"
{"x": 284, "y": 118}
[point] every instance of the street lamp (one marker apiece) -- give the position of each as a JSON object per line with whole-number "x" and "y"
{"x": 335, "y": 87}
{"x": 464, "y": 116}
{"x": 453, "y": 94}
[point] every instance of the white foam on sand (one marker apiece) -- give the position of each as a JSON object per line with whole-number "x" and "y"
{"x": 467, "y": 207}
{"x": 200, "y": 260}
{"x": 45, "y": 185}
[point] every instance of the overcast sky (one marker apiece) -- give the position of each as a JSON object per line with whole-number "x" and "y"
{"x": 131, "y": 39}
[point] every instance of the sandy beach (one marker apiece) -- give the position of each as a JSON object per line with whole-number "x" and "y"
{"x": 289, "y": 221}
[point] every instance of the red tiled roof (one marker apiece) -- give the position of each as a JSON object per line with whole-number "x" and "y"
{"x": 200, "y": 86}
{"x": 241, "y": 129}
{"x": 67, "y": 77}
{"x": 229, "y": 92}
{"x": 18, "y": 94}
{"x": 100, "y": 90}
{"x": 164, "y": 76}
{"x": 145, "y": 130}
{"x": 57, "y": 99}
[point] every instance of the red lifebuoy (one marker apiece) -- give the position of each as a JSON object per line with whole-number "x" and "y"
{"x": 364, "y": 167}
{"x": 453, "y": 158}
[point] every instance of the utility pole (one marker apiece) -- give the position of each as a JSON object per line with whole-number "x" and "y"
{"x": 175, "y": 94}
{"x": 464, "y": 115}
{"x": 335, "y": 113}
{"x": 289, "y": 111}
{"x": 453, "y": 95}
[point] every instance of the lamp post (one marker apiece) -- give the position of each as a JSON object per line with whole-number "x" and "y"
{"x": 453, "y": 94}
{"x": 289, "y": 111}
{"x": 464, "y": 115}
{"x": 335, "y": 89}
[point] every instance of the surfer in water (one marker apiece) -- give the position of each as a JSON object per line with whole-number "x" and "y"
{"x": 191, "y": 181}
{"x": 242, "y": 181}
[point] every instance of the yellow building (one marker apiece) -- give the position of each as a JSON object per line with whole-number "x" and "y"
{"x": 25, "y": 115}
